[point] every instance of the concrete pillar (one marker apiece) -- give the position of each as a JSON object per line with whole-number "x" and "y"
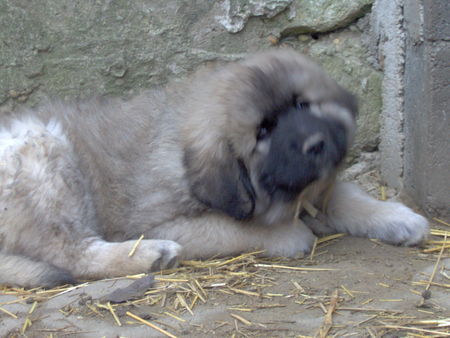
{"x": 388, "y": 44}
{"x": 426, "y": 154}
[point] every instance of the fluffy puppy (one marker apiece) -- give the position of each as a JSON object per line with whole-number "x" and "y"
{"x": 222, "y": 164}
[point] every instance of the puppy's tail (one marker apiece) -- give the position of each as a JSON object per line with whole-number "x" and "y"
{"x": 25, "y": 272}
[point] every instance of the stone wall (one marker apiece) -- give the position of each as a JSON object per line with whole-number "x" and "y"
{"x": 390, "y": 51}
{"x": 70, "y": 48}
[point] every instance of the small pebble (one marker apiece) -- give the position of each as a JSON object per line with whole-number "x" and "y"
{"x": 426, "y": 294}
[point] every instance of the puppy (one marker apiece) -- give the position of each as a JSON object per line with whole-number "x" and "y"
{"x": 224, "y": 163}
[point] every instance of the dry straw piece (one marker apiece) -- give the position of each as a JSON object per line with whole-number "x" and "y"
{"x": 135, "y": 246}
{"x": 328, "y": 320}
{"x": 153, "y": 326}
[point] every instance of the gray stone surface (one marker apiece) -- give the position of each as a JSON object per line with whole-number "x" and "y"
{"x": 427, "y": 102}
{"x": 76, "y": 49}
{"x": 321, "y": 16}
{"x": 301, "y": 16}
{"x": 237, "y": 12}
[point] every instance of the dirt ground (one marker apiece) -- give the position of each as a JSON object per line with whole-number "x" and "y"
{"x": 348, "y": 287}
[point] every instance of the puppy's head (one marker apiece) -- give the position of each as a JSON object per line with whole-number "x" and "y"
{"x": 259, "y": 132}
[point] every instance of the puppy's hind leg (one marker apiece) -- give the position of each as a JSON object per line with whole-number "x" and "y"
{"x": 353, "y": 211}
{"x": 22, "y": 271}
{"x": 45, "y": 208}
{"x": 47, "y": 216}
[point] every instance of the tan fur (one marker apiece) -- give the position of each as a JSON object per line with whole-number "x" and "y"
{"x": 80, "y": 182}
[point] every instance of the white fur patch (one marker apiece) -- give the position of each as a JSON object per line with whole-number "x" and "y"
{"x": 26, "y": 145}
{"x": 23, "y": 130}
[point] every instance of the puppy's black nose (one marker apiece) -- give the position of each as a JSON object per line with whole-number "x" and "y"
{"x": 314, "y": 145}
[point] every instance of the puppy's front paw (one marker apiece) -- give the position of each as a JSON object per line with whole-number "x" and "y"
{"x": 294, "y": 240}
{"x": 168, "y": 255}
{"x": 400, "y": 225}
{"x": 150, "y": 255}
{"x": 157, "y": 254}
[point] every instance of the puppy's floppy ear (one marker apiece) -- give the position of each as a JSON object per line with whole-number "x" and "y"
{"x": 221, "y": 183}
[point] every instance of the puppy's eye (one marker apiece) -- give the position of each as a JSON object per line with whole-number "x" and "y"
{"x": 265, "y": 129}
{"x": 299, "y": 103}
{"x": 302, "y": 105}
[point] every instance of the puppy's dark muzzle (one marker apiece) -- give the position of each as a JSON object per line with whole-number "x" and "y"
{"x": 295, "y": 168}
{"x": 300, "y": 150}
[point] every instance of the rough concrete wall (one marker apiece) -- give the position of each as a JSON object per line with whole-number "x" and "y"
{"x": 410, "y": 42}
{"x": 79, "y": 48}
{"x": 427, "y": 104}
{"x": 388, "y": 44}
